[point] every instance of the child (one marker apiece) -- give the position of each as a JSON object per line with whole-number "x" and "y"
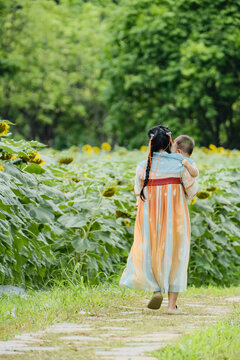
{"x": 184, "y": 145}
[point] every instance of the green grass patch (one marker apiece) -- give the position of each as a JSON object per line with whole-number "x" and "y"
{"x": 38, "y": 309}
{"x": 221, "y": 342}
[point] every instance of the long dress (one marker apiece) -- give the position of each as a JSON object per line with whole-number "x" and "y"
{"x": 159, "y": 256}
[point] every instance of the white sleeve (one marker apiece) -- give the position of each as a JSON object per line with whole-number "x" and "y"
{"x": 138, "y": 182}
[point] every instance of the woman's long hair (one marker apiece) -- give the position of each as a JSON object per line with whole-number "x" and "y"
{"x": 159, "y": 139}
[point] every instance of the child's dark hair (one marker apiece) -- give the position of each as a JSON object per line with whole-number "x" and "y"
{"x": 185, "y": 143}
{"x": 160, "y": 139}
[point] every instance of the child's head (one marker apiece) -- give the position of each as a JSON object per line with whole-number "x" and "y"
{"x": 184, "y": 144}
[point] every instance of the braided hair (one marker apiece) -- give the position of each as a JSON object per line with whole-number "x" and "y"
{"x": 159, "y": 137}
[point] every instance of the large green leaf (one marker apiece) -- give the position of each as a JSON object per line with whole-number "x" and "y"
{"x": 81, "y": 245}
{"x": 70, "y": 220}
{"x": 34, "y": 169}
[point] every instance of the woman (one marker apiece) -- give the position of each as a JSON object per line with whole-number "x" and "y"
{"x": 158, "y": 259}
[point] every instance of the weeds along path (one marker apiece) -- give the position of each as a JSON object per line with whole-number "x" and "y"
{"x": 127, "y": 331}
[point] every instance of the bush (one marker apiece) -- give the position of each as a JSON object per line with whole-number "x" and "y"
{"x": 74, "y": 222}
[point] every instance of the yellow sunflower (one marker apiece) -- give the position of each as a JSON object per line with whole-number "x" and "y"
{"x": 143, "y": 148}
{"x": 106, "y": 146}
{"x": 193, "y": 201}
{"x": 41, "y": 162}
{"x": 96, "y": 149}
{"x": 34, "y": 157}
{"x": 127, "y": 223}
{"x": 87, "y": 148}
{"x": 1, "y": 167}
{"x": 6, "y": 156}
{"x": 213, "y": 148}
{"x": 4, "y": 128}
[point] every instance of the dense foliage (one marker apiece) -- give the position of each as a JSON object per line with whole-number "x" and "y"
{"x": 49, "y": 69}
{"x": 69, "y": 215}
{"x": 175, "y": 62}
{"x": 77, "y": 69}
{"x": 58, "y": 222}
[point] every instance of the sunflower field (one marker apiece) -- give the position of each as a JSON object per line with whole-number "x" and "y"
{"x": 69, "y": 215}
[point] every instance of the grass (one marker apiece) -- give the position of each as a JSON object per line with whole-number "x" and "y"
{"x": 218, "y": 342}
{"x": 38, "y": 309}
{"x": 108, "y": 305}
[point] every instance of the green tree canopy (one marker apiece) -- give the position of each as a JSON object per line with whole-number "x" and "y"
{"x": 175, "y": 62}
{"x": 80, "y": 71}
{"x": 49, "y": 63}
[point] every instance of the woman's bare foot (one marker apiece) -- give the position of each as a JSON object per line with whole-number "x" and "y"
{"x": 175, "y": 311}
{"x": 172, "y": 299}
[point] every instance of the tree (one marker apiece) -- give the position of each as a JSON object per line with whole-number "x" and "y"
{"x": 175, "y": 62}
{"x": 49, "y": 64}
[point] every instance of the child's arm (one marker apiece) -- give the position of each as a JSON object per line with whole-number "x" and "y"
{"x": 193, "y": 171}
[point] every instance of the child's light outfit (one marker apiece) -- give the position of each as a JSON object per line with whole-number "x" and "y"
{"x": 159, "y": 256}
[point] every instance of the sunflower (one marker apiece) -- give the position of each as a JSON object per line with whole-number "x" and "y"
{"x": 66, "y": 160}
{"x": 193, "y": 201}
{"x": 4, "y": 128}
{"x": 34, "y": 157}
{"x": 213, "y": 148}
{"x": 206, "y": 151}
{"x": 228, "y": 153}
{"x": 106, "y": 146}
{"x": 109, "y": 192}
{"x": 127, "y": 223}
{"x": 212, "y": 188}
{"x": 96, "y": 149}
{"x": 87, "y": 148}
{"x": 75, "y": 179}
{"x": 122, "y": 214}
{"x": 40, "y": 162}
{"x": 1, "y": 167}
{"x": 143, "y": 148}
{"x": 203, "y": 195}
{"x": 24, "y": 158}
{"x": 6, "y": 156}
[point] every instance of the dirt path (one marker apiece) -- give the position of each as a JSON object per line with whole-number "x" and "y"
{"x": 133, "y": 334}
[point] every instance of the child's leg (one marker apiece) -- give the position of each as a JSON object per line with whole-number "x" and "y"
{"x": 172, "y": 299}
